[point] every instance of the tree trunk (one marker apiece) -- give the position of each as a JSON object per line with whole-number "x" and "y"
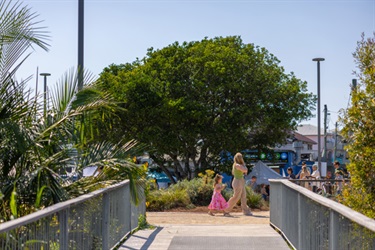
{"x": 163, "y": 168}
{"x": 202, "y": 162}
{"x": 179, "y": 169}
{"x": 187, "y": 166}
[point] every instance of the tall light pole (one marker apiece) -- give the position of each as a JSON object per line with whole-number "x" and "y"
{"x": 80, "y": 42}
{"x": 45, "y": 92}
{"x": 318, "y": 60}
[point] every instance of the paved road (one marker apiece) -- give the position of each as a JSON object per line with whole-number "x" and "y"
{"x": 172, "y": 232}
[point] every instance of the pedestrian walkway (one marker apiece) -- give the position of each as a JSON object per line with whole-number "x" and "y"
{"x": 231, "y": 234}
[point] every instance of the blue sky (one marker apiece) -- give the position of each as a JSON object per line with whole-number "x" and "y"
{"x": 119, "y": 31}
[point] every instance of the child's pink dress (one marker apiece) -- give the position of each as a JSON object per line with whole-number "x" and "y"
{"x": 217, "y": 202}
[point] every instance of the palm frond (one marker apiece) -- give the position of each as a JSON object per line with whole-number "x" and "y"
{"x": 113, "y": 169}
{"x": 18, "y": 33}
{"x": 66, "y": 90}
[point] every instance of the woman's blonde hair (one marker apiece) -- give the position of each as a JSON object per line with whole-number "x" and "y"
{"x": 238, "y": 159}
{"x": 304, "y": 169}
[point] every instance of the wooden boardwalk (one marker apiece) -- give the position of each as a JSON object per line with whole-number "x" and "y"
{"x": 199, "y": 231}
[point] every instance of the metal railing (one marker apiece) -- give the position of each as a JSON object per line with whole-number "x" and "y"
{"x": 309, "y": 221}
{"x": 98, "y": 220}
{"x": 325, "y": 187}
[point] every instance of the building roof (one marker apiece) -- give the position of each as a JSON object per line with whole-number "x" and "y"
{"x": 303, "y": 138}
{"x": 308, "y": 129}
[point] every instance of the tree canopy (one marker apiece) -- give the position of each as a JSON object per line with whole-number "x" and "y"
{"x": 359, "y": 129}
{"x": 193, "y": 100}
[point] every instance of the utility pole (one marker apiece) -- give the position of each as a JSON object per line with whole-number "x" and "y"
{"x": 325, "y": 134}
{"x": 354, "y": 84}
{"x": 334, "y": 156}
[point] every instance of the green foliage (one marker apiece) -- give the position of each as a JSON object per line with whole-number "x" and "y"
{"x": 39, "y": 197}
{"x": 199, "y": 192}
{"x": 254, "y": 200}
{"x": 143, "y": 224}
{"x": 192, "y": 100}
{"x": 187, "y": 194}
{"x": 196, "y": 192}
{"x": 13, "y": 203}
{"x": 164, "y": 199}
{"x": 359, "y": 129}
{"x": 37, "y": 147}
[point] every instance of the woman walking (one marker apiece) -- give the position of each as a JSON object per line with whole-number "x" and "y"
{"x": 239, "y": 191}
{"x": 304, "y": 175}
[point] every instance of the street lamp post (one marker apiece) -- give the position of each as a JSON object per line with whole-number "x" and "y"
{"x": 318, "y": 60}
{"x": 45, "y": 92}
{"x": 80, "y": 43}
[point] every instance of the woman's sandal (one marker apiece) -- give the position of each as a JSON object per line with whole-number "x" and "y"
{"x": 210, "y": 213}
{"x": 227, "y": 214}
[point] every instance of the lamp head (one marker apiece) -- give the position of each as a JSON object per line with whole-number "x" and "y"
{"x": 318, "y": 59}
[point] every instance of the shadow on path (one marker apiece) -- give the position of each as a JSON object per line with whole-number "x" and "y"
{"x": 260, "y": 216}
{"x": 151, "y": 238}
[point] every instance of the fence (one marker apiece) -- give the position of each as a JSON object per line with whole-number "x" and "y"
{"x": 325, "y": 187}
{"x": 310, "y": 221}
{"x": 98, "y": 220}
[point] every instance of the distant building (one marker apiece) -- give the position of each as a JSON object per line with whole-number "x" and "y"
{"x": 301, "y": 145}
{"x": 334, "y": 145}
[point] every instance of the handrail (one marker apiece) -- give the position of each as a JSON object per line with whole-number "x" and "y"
{"x": 308, "y": 220}
{"x": 339, "y": 208}
{"x": 99, "y": 219}
{"x": 8, "y": 225}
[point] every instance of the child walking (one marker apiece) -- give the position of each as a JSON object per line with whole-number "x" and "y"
{"x": 217, "y": 202}
{"x": 263, "y": 191}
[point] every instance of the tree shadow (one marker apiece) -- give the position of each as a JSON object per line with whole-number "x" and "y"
{"x": 151, "y": 238}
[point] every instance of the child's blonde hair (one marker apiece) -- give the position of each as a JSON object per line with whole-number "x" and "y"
{"x": 217, "y": 178}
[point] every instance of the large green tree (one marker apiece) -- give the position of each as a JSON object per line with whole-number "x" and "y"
{"x": 193, "y": 100}
{"x": 359, "y": 129}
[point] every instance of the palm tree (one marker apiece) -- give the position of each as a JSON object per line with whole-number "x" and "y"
{"x": 34, "y": 149}
{"x": 18, "y": 34}
{"x": 84, "y": 116}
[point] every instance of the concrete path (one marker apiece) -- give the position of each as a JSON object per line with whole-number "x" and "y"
{"x": 229, "y": 233}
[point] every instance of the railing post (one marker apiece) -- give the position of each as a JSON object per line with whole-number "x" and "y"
{"x": 299, "y": 218}
{"x": 64, "y": 232}
{"x": 130, "y": 212}
{"x": 333, "y": 230}
{"x": 105, "y": 222}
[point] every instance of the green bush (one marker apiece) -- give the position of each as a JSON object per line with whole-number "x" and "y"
{"x": 199, "y": 191}
{"x": 196, "y": 192}
{"x": 254, "y": 200}
{"x": 227, "y": 193}
{"x": 164, "y": 199}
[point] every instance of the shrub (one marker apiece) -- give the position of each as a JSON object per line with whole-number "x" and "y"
{"x": 254, "y": 200}
{"x": 196, "y": 192}
{"x": 227, "y": 193}
{"x": 185, "y": 193}
{"x": 164, "y": 199}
